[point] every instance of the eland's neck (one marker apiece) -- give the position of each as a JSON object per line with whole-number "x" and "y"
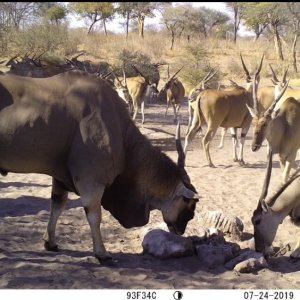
{"x": 287, "y": 199}
{"x": 154, "y": 172}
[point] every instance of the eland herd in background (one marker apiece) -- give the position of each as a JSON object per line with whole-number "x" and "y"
{"x": 99, "y": 153}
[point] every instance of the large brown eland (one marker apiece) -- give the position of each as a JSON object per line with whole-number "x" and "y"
{"x": 218, "y": 108}
{"x": 270, "y": 213}
{"x": 280, "y": 128}
{"x": 74, "y": 127}
{"x": 173, "y": 92}
{"x": 193, "y": 104}
{"x": 136, "y": 91}
{"x": 222, "y": 108}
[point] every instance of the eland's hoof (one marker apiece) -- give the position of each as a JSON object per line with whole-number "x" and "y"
{"x": 242, "y": 163}
{"x": 106, "y": 260}
{"x": 48, "y": 247}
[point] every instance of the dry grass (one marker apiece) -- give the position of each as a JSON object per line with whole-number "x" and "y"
{"x": 222, "y": 55}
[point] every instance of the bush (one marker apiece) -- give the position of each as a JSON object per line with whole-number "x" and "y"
{"x": 196, "y": 66}
{"x": 45, "y": 38}
{"x": 141, "y": 61}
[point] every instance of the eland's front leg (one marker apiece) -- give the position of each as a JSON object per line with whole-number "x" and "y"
{"x": 233, "y": 132}
{"x": 59, "y": 197}
{"x": 175, "y": 112}
{"x": 142, "y": 109}
{"x": 244, "y": 132}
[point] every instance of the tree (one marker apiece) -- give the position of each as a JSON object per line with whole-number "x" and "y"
{"x": 174, "y": 19}
{"x": 141, "y": 10}
{"x": 277, "y": 17}
{"x": 294, "y": 10}
{"x": 94, "y": 12}
{"x": 238, "y": 11}
{"x": 19, "y": 13}
{"x": 126, "y": 10}
{"x": 53, "y": 11}
{"x": 204, "y": 20}
{"x": 255, "y": 19}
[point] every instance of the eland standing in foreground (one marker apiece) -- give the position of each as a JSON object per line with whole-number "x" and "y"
{"x": 75, "y": 128}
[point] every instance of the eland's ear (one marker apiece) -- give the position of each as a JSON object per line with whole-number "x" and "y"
{"x": 264, "y": 206}
{"x": 181, "y": 190}
{"x": 273, "y": 81}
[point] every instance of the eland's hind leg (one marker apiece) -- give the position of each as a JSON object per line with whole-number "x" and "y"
{"x": 233, "y": 132}
{"x": 59, "y": 197}
{"x": 190, "y": 118}
{"x": 209, "y": 135}
{"x": 244, "y": 132}
{"x": 223, "y": 133}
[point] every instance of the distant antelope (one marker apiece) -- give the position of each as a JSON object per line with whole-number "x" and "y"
{"x": 136, "y": 90}
{"x": 122, "y": 90}
{"x": 173, "y": 91}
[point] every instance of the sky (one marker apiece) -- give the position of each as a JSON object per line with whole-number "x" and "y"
{"x": 117, "y": 27}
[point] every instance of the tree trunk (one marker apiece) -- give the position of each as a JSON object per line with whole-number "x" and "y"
{"x": 172, "y": 41}
{"x": 180, "y": 33}
{"x": 141, "y": 22}
{"x": 294, "y": 52}
{"x": 104, "y": 25}
{"x": 236, "y": 27}
{"x": 91, "y": 26}
{"x": 277, "y": 41}
{"x": 204, "y": 33}
{"x": 127, "y": 25}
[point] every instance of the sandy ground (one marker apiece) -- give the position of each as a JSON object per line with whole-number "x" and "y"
{"x": 24, "y": 211}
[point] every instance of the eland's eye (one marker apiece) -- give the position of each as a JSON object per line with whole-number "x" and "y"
{"x": 257, "y": 222}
